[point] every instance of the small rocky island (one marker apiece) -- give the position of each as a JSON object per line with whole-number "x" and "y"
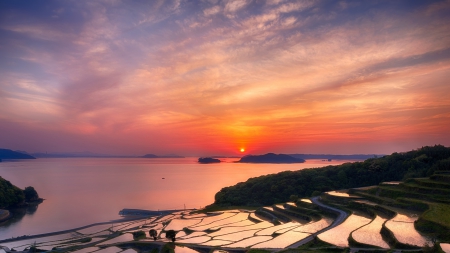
{"x": 208, "y": 160}
{"x": 270, "y": 158}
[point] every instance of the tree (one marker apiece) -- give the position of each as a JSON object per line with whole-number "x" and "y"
{"x": 171, "y": 235}
{"x": 153, "y": 234}
{"x": 30, "y": 194}
{"x": 138, "y": 235}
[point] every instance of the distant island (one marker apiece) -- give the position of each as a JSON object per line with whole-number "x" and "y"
{"x": 270, "y": 158}
{"x": 9, "y": 154}
{"x": 336, "y": 157}
{"x": 208, "y": 160}
{"x": 161, "y": 156}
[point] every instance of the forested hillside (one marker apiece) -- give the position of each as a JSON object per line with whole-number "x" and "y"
{"x": 11, "y": 195}
{"x": 276, "y": 188}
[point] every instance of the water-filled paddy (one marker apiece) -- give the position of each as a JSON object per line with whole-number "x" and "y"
{"x": 198, "y": 239}
{"x": 121, "y": 238}
{"x": 215, "y": 242}
{"x": 338, "y": 235}
{"x": 338, "y": 194}
{"x": 179, "y": 224}
{"x": 227, "y": 221}
{"x": 250, "y": 241}
{"x": 236, "y": 236}
{"x": 283, "y": 240}
{"x": 445, "y": 247}
{"x": 406, "y": 233}
{"x": 370, "y": 233}
{"x": 271, "y": 230}
{"x": 314, "y": 226}
{"x": 20, "y": 245}
{"x": 194, "y": 234}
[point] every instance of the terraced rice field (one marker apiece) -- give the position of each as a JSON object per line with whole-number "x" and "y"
{"x": 338, "y": 235}
{"x": 370, "y": 233}
{"x": 241, "y": 229}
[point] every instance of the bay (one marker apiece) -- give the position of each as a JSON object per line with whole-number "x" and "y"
{"x": 82, "y": 191}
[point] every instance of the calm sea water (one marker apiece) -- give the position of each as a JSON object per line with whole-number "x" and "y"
{"x": 81, "y": 191}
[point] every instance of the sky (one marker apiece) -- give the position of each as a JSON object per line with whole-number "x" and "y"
{"x": 210, "y": 77}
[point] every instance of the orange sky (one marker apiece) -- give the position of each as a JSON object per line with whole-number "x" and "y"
{"x": 211, "y": 77}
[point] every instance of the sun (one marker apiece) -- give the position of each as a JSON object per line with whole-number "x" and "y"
{"x": 242, "y": 150}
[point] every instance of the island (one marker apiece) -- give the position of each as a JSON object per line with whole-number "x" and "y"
{"x": 270, "y": 158}
{"x": 10, "y": 154}
{"x": 208, "y": 160}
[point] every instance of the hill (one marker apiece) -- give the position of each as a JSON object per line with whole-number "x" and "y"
{"x": 11, "y": 195}
{"x": 208, "y": 160}
{"x": 277, "y": 188}
{"x": 9, "y": 154}
{"x": 270, "y": 158}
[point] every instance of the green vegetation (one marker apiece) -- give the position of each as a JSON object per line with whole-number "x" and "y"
{"x": 171, "y": 235}
{"x": 138, "y": 235}
{"x": 30, "y": 194}
{"x": 168, "y": 248}
{"x": 153, "y": 233}
{"x": 277, "y": 188}
{"x": 11, "y": 195}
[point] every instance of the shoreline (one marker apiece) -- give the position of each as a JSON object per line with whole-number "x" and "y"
{"x": 24, "y": 237}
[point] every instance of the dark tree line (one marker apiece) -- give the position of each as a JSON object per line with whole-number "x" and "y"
{"x": 277, "y": 188}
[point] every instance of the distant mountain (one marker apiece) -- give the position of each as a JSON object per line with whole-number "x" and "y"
{"x": 161, "y": 156}
{"x": 9, "y": 154}
{"x": 208, "y": 160}
{"x": 270, "y": 158}
{"x": 150, "y": 156}
{"x": 75, "y": 155}
{"x": 335, "y": 157}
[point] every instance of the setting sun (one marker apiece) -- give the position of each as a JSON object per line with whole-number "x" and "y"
{"x": 242, "y": 149}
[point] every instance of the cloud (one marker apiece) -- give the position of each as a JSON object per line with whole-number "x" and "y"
{"x": 221, "y": 73}
{"x": 235, "y": 5}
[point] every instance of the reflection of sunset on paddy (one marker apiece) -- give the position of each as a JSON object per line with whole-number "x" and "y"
{"x": 313, "y": 227}
{"x": 338, "y": 235}
{"x": 370, "y": 233}
{"x": 406, "y": 233}
{"x": 282, "y": 240}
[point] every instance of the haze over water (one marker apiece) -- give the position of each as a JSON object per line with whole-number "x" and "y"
{"x": 81, "y": 191}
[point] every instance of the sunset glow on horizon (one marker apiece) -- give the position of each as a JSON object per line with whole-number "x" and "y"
{"x": 224, "y": 77}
